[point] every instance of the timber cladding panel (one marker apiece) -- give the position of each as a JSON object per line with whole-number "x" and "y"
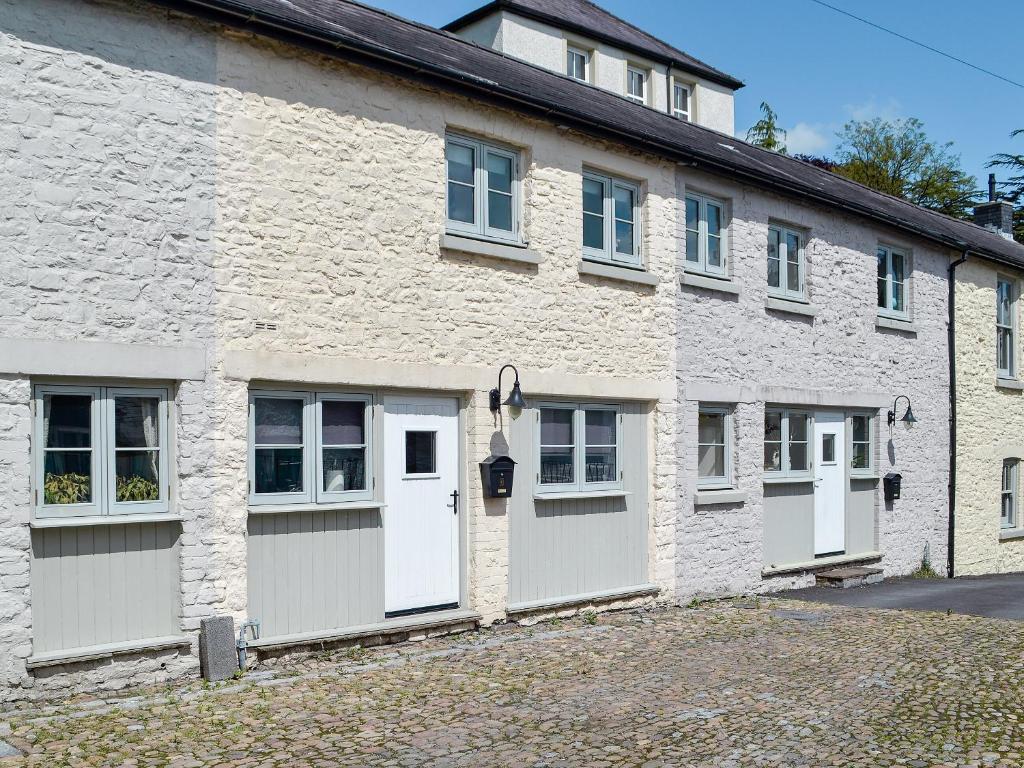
{"x": 563, "y": 548}
{"x": 102, "y": 584}
{"x": 315, "y": 571}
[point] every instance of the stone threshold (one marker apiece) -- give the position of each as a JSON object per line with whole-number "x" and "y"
{"x": 105, "y": 651}
{"x": 822, "y": 563}
{"x": 589, "y": 597}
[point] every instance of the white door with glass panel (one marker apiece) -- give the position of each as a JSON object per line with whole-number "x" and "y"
{"x": 421, "y": 519}
{"x": 829, "y": 483}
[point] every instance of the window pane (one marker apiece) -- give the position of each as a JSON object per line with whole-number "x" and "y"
{"x": 137, "y": 476}
{"x": 136, "y": 423}
{"x": 798, "y": 428}
{"x": 342, "y": 422}
{"x": 593, "y": 214}
{"x": 461, "y": 162}
{"x": 860, "y": 429}
{"x": 460, "y": 203}
{"x": 499, "y": 211}
{"x": 714, "y": 251}
{"x": 773, "y": 258}
{"x": 600, "y": 465}
{"x": 861, "y": 458}
{"x": 793, "y": 258}
{"x": 682, "y": 99}
{"x": 714, "y": 219}
{"x": 593, "y": 231}
{"x": 692, "y": 252}
{"x": 711, "y": 461}
{"x": 711, "y": 428}
{"x": 344, "y": 469}
{"x": 593, "y": 196}
{"x": 278, "y": 470}
{"x": 1003, "y": 350}
{"x": 278, "y": 421}
{"x": 773, "y": 457}
{"x": 828, "y": 448}
{"x": 420, "y": 453}
{"x": 556, "y": 466}
{"x": 556, "y": 426}
{"x": 623, "y": 203}
{"x": 883, "y": 279}
{"x": 692, "y": 214}
{"x": 624, "y": 238}
{"x": 773, "y": 426}
{"x": 1003, "y": 303}
{"x": 499, "y": 172}
{"x": 600, "y": 427}
{"x": 898, "y": 267}
{"x": 773, "y": 441}
{"x": 798, "y": 457}
{"x": 897, "y": 296}
{"x": 67, "y": 477}
{"x": 67, "y": 421}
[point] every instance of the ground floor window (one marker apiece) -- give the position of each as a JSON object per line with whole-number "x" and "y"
{"x": 102, "y": 450}
{"x": 579, "y": 447}
{"x": 786, "y": 442}
{"x": 714, "y": 447}
{"x": 861, "y": 461}
{"x": 1008, "y": 508}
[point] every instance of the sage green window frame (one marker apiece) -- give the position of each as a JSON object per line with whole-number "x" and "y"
{"x": 610, "y": 253}
{"x": 682, "y": 113}
{"x": 786, "y": 442}
{"x": 574, "y": 57}
{"x": 893, "y": 281}
{"x": 725, "y": 480}
{"x": 1006, "y": 328}
{"x": 869, "y": 444}
{"x": 1010, "y": 491}
{"x": 481, "y": 226}
{"x": 699, "y": 235}
{"x": 636, "y": 76}
{"x": 579, "y": 446}
{"x": 782, "y": 236}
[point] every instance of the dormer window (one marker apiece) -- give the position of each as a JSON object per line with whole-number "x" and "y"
{"x": 681, "y": 101}
{"x": 636, "y": 85}
{"x": 577, "y": 63}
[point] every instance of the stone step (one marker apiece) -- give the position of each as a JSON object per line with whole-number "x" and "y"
{"x": 844, "y": 578}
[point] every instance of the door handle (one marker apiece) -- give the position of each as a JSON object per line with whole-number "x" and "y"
{"x": 455, "y": 503}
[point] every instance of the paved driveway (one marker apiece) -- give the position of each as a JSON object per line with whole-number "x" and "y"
{"x": 1000, "y": 597}
{"x": 736, "y": 683}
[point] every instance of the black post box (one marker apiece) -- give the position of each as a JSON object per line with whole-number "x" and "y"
{"x": 497, "y": 472}
{"x": 891, "y": 484}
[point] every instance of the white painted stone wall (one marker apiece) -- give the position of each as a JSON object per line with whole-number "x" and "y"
{"x": 737, "y": 344}
{"x": 990, "y": 425}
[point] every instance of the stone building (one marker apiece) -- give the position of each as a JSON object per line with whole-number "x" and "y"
{"x": 261, "y": 273}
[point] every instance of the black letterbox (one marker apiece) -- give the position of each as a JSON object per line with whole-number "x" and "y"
{"x": 497, "y": 472}
{"x": 891, "y": 484}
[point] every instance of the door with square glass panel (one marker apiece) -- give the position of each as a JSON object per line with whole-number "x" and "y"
{"x": 421, "y": 517}
{"x": 829, "y": 484}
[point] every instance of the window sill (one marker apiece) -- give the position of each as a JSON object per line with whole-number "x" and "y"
{"x": 869, "y": 477}
{"x": 895, "y": 324}
{"x": 617, "y": 272}
{"x": 792, "y": 306}
{"x": 720, "y": 496}
{"x": 93, "y": 652}
{"x": 786, "y": 480}
{"x": 1011, "y": 534}
{"x": 69, "y": 522}
{"x": 720, "y": 284}
{"x": 562, "y": 495}
{"x": 339, "y": 506}
{"x": 491, "y": 249}
{"x": 1015, "y": 384}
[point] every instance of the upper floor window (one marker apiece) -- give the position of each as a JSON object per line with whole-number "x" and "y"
{"x": 308, "y": 447}
{"x": 636, "y": 85}
{"x": 714, "y": 447}
{"x": 1008, "y": 507}
{"x": 483, "y": 188}
{"x": 579, "y": 447}
{"x": 785, "y": 262}
{"x": 705, "y": 235}
{"x": 611, "y": 219}
{"x": 1006, "y": 326}
{"x": 577, "y": 63}
{"x": 786, "y": 442}
{"x": 681, "y": 101}
{"x": 892, "y": 281}
{"x": 102, "y": 451}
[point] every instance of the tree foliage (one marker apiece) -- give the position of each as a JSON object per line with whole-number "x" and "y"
{"x": 896, "y": 157}
{"x": 765, "y": 133}
{"x": 1014, "y": 186}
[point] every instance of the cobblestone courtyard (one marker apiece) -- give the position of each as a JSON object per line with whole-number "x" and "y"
{"x": 735, "y": 683}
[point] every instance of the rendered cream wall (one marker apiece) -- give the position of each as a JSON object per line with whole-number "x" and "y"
{"x": 990, "y": 425}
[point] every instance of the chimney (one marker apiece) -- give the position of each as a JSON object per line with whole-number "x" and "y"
{"x": 996, "y": 214}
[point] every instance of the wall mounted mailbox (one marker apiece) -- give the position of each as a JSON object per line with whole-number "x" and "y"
{"x": 497, "y": 473}
{"x": 891, "y": 484}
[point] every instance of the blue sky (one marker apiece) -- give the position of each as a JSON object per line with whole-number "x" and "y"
{"x": 819, "y": 69}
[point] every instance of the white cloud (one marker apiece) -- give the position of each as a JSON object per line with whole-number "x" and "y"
{"x": 807, "y": 139}
{"x": 872, "y": 108}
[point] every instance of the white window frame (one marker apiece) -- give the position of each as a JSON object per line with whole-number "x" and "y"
{"x": 312, "y": 449}
{"x": 574, "y": 50}
{"x": 1008, "y": 330}
{"x": 890, "y": 281}
{"x": 869, "y": 470}
{"x": 480, "y": 227}
{"x": 700, "y": 263}
{"x": 632, "y": 70}
{"x": 726, "y": 480}
{"x": 682, "y": 114}
{"x": 609, "y": 252}
{"x": 786, "y": 470}
{"x": 579, "y": 446}
{"x": 1013, "y": 476}
{"x": 782, "y": 290}
{"x": 103, "y": 449}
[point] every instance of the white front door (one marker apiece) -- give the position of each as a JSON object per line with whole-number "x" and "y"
{"x": 421, "y": 523}
{"x": 829, "y": 483}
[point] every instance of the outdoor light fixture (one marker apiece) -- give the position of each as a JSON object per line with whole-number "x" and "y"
{"x": 908, "y": 417}
{"x": 515, "y": 397}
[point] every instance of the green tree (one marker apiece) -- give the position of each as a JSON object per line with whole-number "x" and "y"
{"x": 1014, "y": 185}
{"x": 896, "y": 157}
{"x": 766, "y": 133}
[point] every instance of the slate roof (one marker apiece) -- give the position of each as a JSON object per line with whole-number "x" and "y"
{"x": 586, "y": 18}
{"x": 354, "y": 32}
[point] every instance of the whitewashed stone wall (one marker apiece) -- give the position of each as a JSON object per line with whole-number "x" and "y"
{"x": 736, "y": 342}
{"x": 990, "y": 425}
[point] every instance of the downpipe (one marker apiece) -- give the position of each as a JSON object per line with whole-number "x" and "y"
{"x": 951, "y": 346}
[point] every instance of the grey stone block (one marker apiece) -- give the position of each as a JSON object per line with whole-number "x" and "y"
{"x": 218, "y": 656}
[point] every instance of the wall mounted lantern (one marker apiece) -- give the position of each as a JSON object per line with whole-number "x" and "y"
{"x": 908, "y": 417}
{"x": 515, "y": 397}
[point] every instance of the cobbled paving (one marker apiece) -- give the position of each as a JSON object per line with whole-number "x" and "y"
{"x": 733, "y": 683}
